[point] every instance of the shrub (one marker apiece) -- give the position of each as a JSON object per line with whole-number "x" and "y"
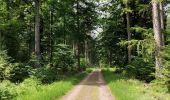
{"x": 34, "y": 61}
{"x": 5, "y": 65}
{"x": 29, "y": 84}
{"x": 62, "y": 63}
{"x": 141, "y": 70}
{"x": 7, "y": 90}
{"x": 63, "y": 58}
{"x": 19, "y": 72}
{"x": 47, "y": 74}
{"x": 166, "y": 66}
{"x": 84, "y": 64}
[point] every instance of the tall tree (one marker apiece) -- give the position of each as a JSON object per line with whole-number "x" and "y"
{"x": 126, "y": 2}
{"x": 37, "y": 29}
{"x": 162, "y": 22}
{"x": 78, "y": 32}
{"x": 157, "y": 36}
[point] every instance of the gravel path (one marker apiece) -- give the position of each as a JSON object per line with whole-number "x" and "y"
{"x": 93, "y": 87}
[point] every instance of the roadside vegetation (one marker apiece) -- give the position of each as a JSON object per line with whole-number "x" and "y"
{"x": 52, "y": 91}
{"x": 34, "y": 89}
{"x": 21, "y": 82}
{"x": 125, "y": 87}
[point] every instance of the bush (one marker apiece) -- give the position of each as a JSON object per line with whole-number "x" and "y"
{"x": 7, "y": 90}
{"x": 5, "y": 65}
{"x": 84, "y": 64}
{"x": 34, "y": 61}
{"x": 19, "y": 72}
{"x": 141, "y": 70}
{"x": 47, "y": 74}
{"x": 63, "y": 58}
{"x": 30, "y": 84}
{"x": 166, "y": 66}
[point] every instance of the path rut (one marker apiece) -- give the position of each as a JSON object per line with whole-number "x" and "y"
{"x": 93, "y": 87}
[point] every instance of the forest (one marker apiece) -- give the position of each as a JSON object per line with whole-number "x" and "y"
{"x": 47, "y": 47}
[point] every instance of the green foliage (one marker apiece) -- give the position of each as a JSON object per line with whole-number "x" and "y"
{"x": 5, "y": 65}
{"x": 166, "y": 66}
{"x": 34, "y": 62}
{"x": 31, "y": 90}
{"x": 62, "y": 63}
{"x": 63, "y": 58}
{"x": 125, "y": 88}
{"x": 141, "y": 70}
{"x": 20, "y": 72}
{"x": 47, "y": 74}
{"x": 31, "y": 83}
{"x": 145, "y": 46}
{"x": 84, "y": 64}
{"x": 7, "y": 90}
{"x": 142, "y": 66}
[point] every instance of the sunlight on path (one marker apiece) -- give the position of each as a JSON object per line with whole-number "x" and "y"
{"x": 93, "y": 87}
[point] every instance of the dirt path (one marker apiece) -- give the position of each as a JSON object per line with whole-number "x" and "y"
{"x": 93, "y": 87}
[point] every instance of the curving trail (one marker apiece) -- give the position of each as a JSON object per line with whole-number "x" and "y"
{"x": 93, "y": 87}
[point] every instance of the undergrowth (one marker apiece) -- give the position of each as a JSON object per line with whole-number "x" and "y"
{"x": 124, "y": 88}
{"x": 52, "y": 91}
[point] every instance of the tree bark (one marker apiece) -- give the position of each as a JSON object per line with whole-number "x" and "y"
{"x": 85, "y": 51}
{"x": 65, "y": 37}
{"x": 37, "y": 29}
{"x": 51, "y": 32}
{"x": 162, "y": 22}
{"x": 129, "y": 34}
{"x": 110, "y": 58}
{"x": 78, "y": 56}
{"x": 157, "y": 36}
{"x": 73, "y": 46}
{"x": 78, "y": 40}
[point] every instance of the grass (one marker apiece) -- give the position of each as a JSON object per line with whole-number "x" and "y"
{"x": 52, "y": 91}
{"x": 124, "y": 88}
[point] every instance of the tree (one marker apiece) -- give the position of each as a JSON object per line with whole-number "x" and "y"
{"x": 126, "y": 2}
{"x": 162, "y": 22}
{"x": 157, "y": 36}
{"x": 37, "y": 29}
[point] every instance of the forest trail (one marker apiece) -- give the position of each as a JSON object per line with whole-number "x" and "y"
{"x": 93, "y": 87}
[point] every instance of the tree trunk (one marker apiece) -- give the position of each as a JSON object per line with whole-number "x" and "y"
{"x": 51, "y": 32}
{"x": 37, "y": 29}
{"x": 162, "y": 22}
{"x": 110, "y": 58}
{"x": 73, "y": 47}
{"x": 78, "y": 56}
{"x": 157, "y": 36}
{"x": 65, "y": 37}
{"x": 129, "y": 34}
{"x": 78, "y": 40}
{"x": 85, "y": 51}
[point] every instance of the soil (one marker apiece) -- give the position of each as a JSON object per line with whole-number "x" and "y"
{"x": 93, "y": 87}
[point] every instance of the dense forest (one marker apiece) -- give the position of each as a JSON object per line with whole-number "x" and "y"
{"x": 43, "y": 42}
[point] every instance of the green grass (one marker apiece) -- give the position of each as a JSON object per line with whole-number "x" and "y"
{"x": 52, "y": 91}
{"x": 124, "y": 88}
